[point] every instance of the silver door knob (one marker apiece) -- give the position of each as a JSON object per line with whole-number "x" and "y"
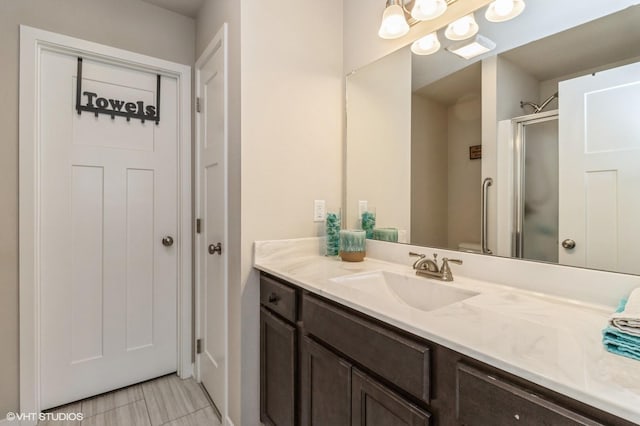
{"x": 569, "y": 244}
{"x": 215, "y": 248}
{"x": 167, "y": 241}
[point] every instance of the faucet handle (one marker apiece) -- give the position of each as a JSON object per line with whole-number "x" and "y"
{"x": 445, "y": 270}
{"x": 419, "y": 255}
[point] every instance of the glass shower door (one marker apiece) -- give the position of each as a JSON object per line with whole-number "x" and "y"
{"x": 536, "y": 187}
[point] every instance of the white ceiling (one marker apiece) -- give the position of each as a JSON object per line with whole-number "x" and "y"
{"x": 608, "y": 40}
{"x": 183, "y": 7}
{"x": 455, "y": 87}
{"x": 541, "y": 19}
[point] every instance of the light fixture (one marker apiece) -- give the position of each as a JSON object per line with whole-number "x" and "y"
{"x": 471, "y": 48}
{"x": 462, "y": 29}
{"x": 394, "y": 24}
{"x": 503, "y": 10}
{"x": 424, "y": 10}
{"x": 426, "y": 45}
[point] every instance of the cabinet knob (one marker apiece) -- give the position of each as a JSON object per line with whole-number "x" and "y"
{"x": 167, "y": 241}
{"x": 569, "y": 244}
{"x": 274, "y": 298}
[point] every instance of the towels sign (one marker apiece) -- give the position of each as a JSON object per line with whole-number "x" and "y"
{"x": 115, "y": 107}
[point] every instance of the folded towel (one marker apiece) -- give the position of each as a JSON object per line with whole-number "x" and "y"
{"x": 627, "y": 317}
{"x": 620, "y": 343}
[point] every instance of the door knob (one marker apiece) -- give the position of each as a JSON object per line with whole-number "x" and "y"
{"x": 167, "y": 241}
{"x": 215, "y": 248}
{"x": 569, "y": 244}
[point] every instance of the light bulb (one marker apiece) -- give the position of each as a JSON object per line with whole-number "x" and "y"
{"x": 424, "y": 10}
{"x": 503, "y": 10}
{"x": 463, "y": 28}
{"x": 426, "y": 45}
{"x": 503, "y": 7}
{"x": 393, "y": 24}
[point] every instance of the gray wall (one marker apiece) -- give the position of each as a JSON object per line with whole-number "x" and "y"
{"x": 126, "y": 24}
{"x": 429, "y": 172}
{"x": 465, "y": 130}
{"x": 285, "y": 123}
{"x": 292, "y": 118}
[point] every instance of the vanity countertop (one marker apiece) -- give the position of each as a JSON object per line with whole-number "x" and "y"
{"x": 548, "y": 340}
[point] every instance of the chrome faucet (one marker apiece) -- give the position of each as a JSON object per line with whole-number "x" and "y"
{"x": 429, "y": 268}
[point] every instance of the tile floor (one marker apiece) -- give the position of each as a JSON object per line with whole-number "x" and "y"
{"x": 167, "y": 400}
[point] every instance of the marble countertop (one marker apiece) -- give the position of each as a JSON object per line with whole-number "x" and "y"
{"x": 548, "y": 340}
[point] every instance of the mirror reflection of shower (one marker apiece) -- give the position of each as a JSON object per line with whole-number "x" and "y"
{"x": 535, "y": 233}
{"x": 539, "y": 108}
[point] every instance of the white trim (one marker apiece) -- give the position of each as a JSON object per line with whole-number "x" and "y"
{"x": 504, "y": 188}
{"x": 32, "y": 42}
{"x": 227, "y": 421}
{"x": 220, "y": 40}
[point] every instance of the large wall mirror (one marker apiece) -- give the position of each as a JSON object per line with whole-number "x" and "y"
{"x": 530, "y": 151}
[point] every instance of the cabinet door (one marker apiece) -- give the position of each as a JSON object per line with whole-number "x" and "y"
{"x": 277, "y": 370}
{"x": 374, "y": 405}
{"x": 325, "y": 386}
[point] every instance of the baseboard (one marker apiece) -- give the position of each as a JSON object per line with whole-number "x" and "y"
{"x": 228, "y": 422}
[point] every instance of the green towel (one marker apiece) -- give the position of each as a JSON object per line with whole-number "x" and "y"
{"x": 621, "y": 343}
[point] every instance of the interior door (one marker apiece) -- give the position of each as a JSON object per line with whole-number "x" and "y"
{"x": 211, "y": 86}
{"x": 108, "y": 190}
{"x": 600, "y": 170}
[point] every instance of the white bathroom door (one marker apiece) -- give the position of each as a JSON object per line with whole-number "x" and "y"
{"x": 212, "y": 204}
{"x": 108, "y": 191}
{"x": 600, "y": 170}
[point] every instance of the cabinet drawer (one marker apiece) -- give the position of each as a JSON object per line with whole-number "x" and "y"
{"x": 484, "y": 399}
{"x": 402, "y": 361}
{"x": 278, "y": 297}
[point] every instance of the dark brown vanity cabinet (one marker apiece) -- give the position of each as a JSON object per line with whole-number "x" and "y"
{"x": 323, "y": 364}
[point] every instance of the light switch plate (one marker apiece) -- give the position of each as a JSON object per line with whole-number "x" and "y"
{"x": 363, "y": 206}
{"x": 319, "y": 210}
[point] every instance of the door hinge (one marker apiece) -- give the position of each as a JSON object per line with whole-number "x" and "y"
{"x": 198, "y": 226}
{"x": 198, "y": 346}
{"x": 197, "y": 104}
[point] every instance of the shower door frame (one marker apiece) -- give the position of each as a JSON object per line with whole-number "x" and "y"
{"x": 519, "y": 151}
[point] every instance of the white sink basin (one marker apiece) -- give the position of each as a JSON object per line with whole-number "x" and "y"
{"x": 417, "y": 292}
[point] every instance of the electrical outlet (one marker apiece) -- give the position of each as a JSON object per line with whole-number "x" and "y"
{"x": 319, "y": 210}
{"x": 363, "y": 206}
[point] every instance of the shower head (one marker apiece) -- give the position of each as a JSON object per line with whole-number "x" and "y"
{"x": 538, "y": 108}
